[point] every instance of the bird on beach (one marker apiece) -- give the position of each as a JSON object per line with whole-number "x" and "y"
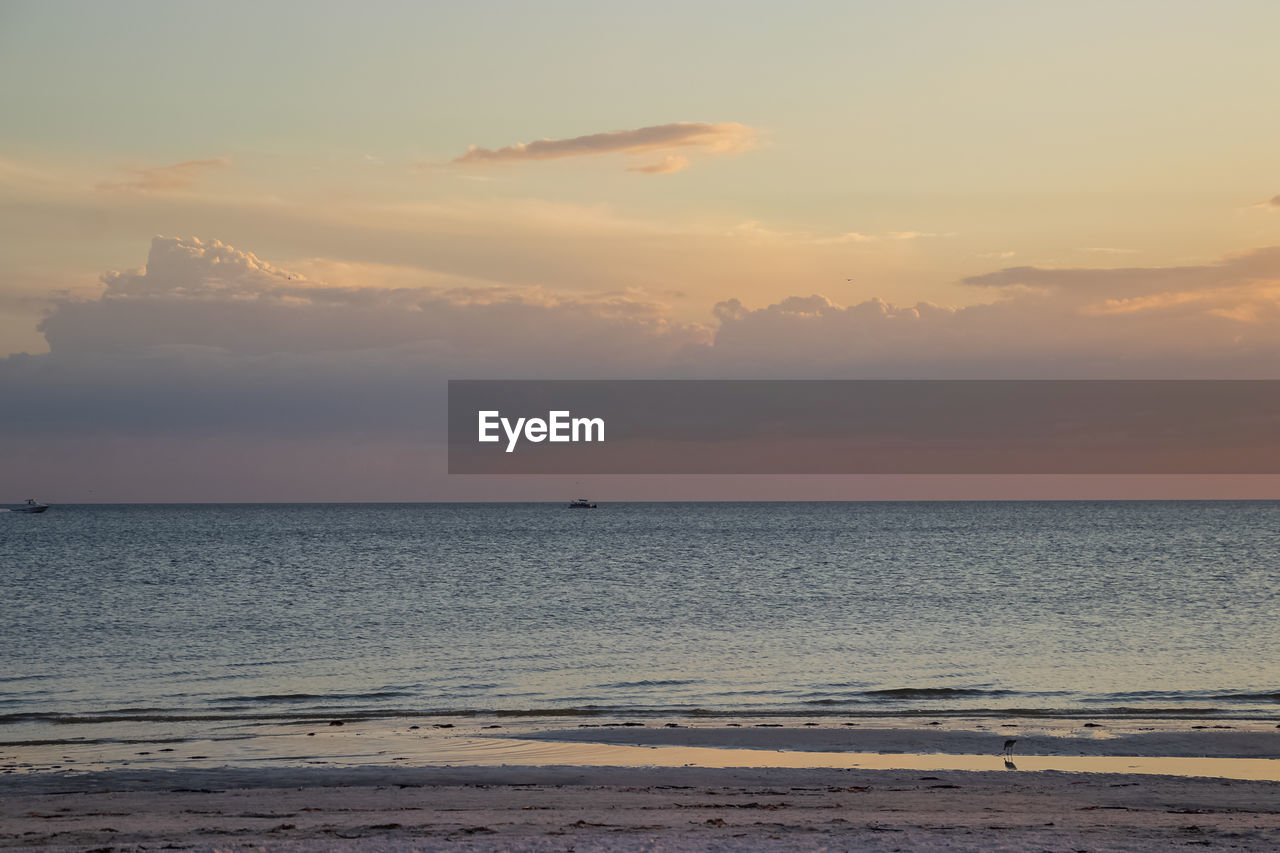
{"x": 1008, "y": 745}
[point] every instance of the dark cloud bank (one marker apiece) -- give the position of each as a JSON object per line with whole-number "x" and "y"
{"x": 212, "y": 374}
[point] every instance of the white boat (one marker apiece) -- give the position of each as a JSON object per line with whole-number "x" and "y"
{"x": 32, "y": 505}
{"x": 581, "y": 503}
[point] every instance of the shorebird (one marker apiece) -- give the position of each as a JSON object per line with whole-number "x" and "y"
{"x": 1008, "y": 745}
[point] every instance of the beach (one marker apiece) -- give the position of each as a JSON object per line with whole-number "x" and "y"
{"x": 509, "y": 426}
{"x": 466, "y": 787}
{"x": 610, "y": 809}
{"x": 644, "y": 677}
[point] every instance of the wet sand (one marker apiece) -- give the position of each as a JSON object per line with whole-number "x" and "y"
{"x": 395, "y": 785}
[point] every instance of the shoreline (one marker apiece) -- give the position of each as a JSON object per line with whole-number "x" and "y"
{"x": 538, "y": 784}
{"x": 533, "y": 741}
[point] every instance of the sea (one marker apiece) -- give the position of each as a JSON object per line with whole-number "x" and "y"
{"x": 221, "y": 615}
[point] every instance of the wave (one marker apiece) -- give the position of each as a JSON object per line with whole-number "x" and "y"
{"x": 1191, "y": 696}
{"x": 400, "y": 700}
{"x": 629, "y": 685}
{"x": 10, "y": 679}
{"x": 249, "y": 664}
{"x": 904, "y": 694}
{"x": 1247, "y": 697}
{"x": 908, "y": 694}
{"x": 310, "y": 697}
{"x": 625, "y": 712}
{"x": 935, "y": 692}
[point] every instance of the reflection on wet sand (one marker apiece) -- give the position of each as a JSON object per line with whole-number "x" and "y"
{"x": 526, "y": 753}
{"x": 410, "y": 747}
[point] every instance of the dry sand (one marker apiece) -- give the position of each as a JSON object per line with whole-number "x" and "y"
{"x": 640, "y": 809}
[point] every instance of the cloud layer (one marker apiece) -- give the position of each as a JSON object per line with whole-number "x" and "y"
{"x": 212, "y": 349}
{"x": 210, "y": 296}
{"x": 1210, "y": 321}
{"x": 1123, "y": 322}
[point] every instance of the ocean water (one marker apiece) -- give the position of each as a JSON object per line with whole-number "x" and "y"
{"x": 215, "y": 615}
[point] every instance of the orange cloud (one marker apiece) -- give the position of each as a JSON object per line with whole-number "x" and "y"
{"x": 205, "y": 295}
{"x": 716, "y": 138}
{"x": 1214, "y": 320}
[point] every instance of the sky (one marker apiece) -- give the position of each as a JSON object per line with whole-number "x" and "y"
{"x": 245, "y": 245}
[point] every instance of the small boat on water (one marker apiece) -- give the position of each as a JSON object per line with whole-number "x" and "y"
{"x": 581, "y": 503}
{"x": 32, "y": 505}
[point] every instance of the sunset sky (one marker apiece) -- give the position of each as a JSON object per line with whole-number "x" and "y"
{"x": 245, "y": 244}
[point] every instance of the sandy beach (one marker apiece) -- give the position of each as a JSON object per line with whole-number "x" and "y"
{"x": 540, "y": 786}
{"x": 593, "y": 426}
{"x": 581, "y": 808}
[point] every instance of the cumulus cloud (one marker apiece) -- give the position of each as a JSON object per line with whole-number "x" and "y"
{"x": 202, "y": 309}
{"x": 1213, "y": 321}
{"x": 212, "y": 374}
{"x": 714, "y": 138}
{"x": 285, "y": 379}
{"x": 207, "y": 295}
{"x": 164, "y": 178}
